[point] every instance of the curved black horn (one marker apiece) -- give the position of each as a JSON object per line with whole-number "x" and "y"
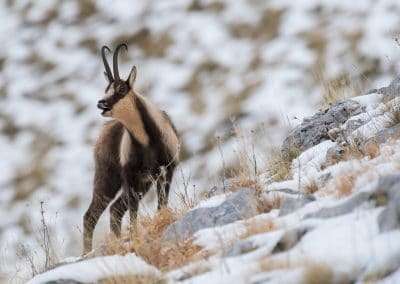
{"x": 106, "y": 66}
{"x": 115, "y": 60}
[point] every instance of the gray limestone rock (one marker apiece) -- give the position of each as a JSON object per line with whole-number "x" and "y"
{"x": 291, "y": 204}
{"x": 240, "y": 205}
{"x": 391, "y": 91}
{"x": 344, "y": 208}
{"x": 314, "y": 130}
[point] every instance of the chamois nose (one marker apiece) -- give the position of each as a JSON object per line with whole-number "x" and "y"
{"x": 102, "y": 104}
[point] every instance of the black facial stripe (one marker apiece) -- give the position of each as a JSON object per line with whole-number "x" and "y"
{"x": 108, "y": 87}
{"x": 112, "y": 100}
{"x": 120, "y": 90}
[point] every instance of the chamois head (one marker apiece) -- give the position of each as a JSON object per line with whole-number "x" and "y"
{"x": 116, "y": 99}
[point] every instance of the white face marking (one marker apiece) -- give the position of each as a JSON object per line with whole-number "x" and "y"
{"x": 125, "y": 148}
{"x": 109, "y": 92}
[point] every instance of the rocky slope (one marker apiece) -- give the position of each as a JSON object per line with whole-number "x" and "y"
{"x": 221, "y": 69}
{"x": 335, "y": 218}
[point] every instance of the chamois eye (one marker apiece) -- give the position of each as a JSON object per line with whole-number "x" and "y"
{"x": 121, "y": 89}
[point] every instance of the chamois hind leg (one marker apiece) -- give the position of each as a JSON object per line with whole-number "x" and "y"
{"x": 163, "y": 186}
{"x": 107, "y": 183}
{"x": 117, "y": 212}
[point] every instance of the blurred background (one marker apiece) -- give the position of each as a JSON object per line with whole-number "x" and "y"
{"x": 222, "y": 70}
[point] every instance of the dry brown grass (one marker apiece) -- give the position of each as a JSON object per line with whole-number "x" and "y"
{"x": 337, "y": 89}
{"x": 271, "y": 201}
{"x": 279, "y": 163}
{"x": 247, "y": 168}
{"x": 344, "y": 184}
{"x": 354, "y": 151}
{"x": 244, "y": 181}
{"x": 314, "y": 273}
{"x": 311, "y": 188}
{"x": 147, "y": 242}
{"x": 132, "y": 279}
{"x": 318, "y": 273}
{"x": 254, "y": 227}
{"x": 371, "y": 149}
{"x": 151, "y": 43}
{"x": 267, "y": 28}
{"x": 268, "y": 264}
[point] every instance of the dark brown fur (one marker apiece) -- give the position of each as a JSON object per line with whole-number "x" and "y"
{"x": 144, "y": 165}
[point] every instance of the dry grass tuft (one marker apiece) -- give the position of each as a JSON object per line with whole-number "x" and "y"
{"x": 254, "y": 227}
{"x": 147, "y": 242}
{"x": 244, "y": 181}
{"x": 267, "y": 28}
{"x": 354, "y": 150}
{"x": 271, "y": 201}
{"x": 311, "y": 188}
{"x": 344, "y": 184}
{"x": 280, "y": 162}
{"x": 337, "y": 89}
{"x": 131, "y": 279}
{"x": 247, "y": 169}
{"x": 268, "y": 264}
{"x": 318, "y": 273}
{"x": 313, "y": 272}
{"x": 371, "y": 149}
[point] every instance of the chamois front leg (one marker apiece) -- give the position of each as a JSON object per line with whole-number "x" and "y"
{"x": 92, "y": 215}
{"x": 107, "y": 182}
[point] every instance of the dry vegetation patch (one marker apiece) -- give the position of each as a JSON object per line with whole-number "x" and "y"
{"x": 340, "y": 88}
{"x": 280, "y": 162}
{"x": 311, "y": 187}
{"x": 318, "y": 273}
{"x": 131, "y": 279}
{"x": 267, "y": 28}
{"x": 254, "y": 227}
{"x": 241, "y": 181}
{"x": 344, "y": 184}
{"x": 147, "y": 242}
{"x": 313, "y": 272}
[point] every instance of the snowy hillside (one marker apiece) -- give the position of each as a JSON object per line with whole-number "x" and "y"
{"x": 235, "y": 76}
{"x": 334, "y": 219}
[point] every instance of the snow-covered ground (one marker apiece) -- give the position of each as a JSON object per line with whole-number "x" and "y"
{"x": 261, "y": 65}
{"x": 346, "y": 233}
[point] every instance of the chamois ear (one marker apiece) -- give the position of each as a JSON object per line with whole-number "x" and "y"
{"x": 132, "y": 77}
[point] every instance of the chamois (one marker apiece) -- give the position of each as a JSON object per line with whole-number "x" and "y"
{"x": 138, "y": 146}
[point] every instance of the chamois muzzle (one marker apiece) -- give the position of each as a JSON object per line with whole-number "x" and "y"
{"x": 102, "y": 104}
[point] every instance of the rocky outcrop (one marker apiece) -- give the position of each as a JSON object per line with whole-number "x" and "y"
{"x": 315, "y": 129}
{"x": 239, "y": 205}
{"x": 344, "y": 208}
{"x": 349, "y": 229}
{"x": 389, "y": 92}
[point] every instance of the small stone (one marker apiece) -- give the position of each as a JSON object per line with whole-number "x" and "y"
{"x": 241, "y": 247}
{"x": 290, "y": 204}
{"x": 239, "y": 205}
